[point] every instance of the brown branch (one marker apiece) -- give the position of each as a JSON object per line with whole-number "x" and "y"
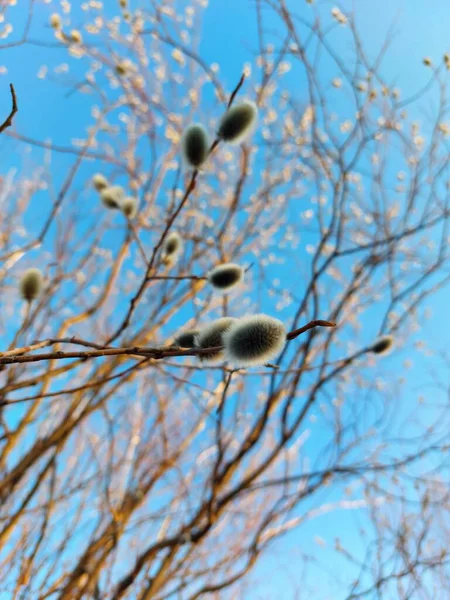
{"x": 316, "y": 323}
{"x": 79, "y": 388}
{"x": 8, "y": 122}
{"x": 179, "y": 277}
{"x": 236, "y": 90}
{"x": 16, "y": 356}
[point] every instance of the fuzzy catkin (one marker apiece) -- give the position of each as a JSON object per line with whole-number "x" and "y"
{"x": 31, "y": 284}
{"x": 129, "y": 207}
{"x": 194, "y": 146}
{"x": 383, "y": 345}
{"x": 238, "y": 122}
{"x": 254, "y": 340}
{"x": 226, "y": 277}
{"x": 99, "y": 182}
{"x": 172, "y": 244}
{"x": 76, "y": 36}
{"x": 121, "y": 68}
{"x": 186, "y": 339}
{"x": 112, "y": 196}
{"x": 211, "y": 336}
{"x": 55, "y": 21}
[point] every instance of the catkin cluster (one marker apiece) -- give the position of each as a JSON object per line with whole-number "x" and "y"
{"x": 243, "y": 342}
{"x": 234, "y": 127}
{"x": 113, "y": 196}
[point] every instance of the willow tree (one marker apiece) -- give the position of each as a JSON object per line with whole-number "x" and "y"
{"x": 157, "y": 435}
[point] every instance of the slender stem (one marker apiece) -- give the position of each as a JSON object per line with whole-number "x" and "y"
{"x": 135, "y": 235}
{"x": 8, "y": 121}
{"x": 179, "y": 277}
{"x": 316, "y": 323}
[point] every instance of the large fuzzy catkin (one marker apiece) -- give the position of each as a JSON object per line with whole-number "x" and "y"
{"x": 99, "y": 182}
{"x": 211, "y": 336}
{"x": 186, "y": 338}
{"x": 225, "y": 277}
{"x": 112, "y": 196}
{"x": 194, "y": 146}
{"x": 254, "y": 340}
{"x": 129, "y": 207}
{"x": 238, "y": 122}
{"x": 383, "y": 345}
{"x": 31, "y": 284}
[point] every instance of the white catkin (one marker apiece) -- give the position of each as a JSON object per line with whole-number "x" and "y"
{"x": 238, "y": 122}
{"x": 186, "y": 338}
{"x": 55, "y": 21}
{"x": 225, "y": 277}
{"x": 31, "y": 284}
{"x": 383, "y": 345}
{"x": 172, "y": 245}
{"x": 129, "y": 207}
{"x": 254, "y": 340}
{"x": 99, "y": 182}
{"x": 194, "y": 146}
{"x": 211, "y": 336}
{"x": 112, "y": 196}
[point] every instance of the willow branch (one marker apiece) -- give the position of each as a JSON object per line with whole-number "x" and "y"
{"x": 19, "y": 355}
{"x": 8, "y": 122}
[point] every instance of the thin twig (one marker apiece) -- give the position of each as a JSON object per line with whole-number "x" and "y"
{"x": 236, "y": 90}
{"x": 179, "y": 277}
{"x": 8, "y": 122}
{"x": 316, "y": 323}
{"x": 135, "y": 235}
{"x": 79, "y": 388}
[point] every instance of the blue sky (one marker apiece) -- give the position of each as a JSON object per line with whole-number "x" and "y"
{"x": 228, "y": 33}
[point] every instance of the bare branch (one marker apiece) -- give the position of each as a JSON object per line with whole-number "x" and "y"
{"x": 9, "y": 120}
